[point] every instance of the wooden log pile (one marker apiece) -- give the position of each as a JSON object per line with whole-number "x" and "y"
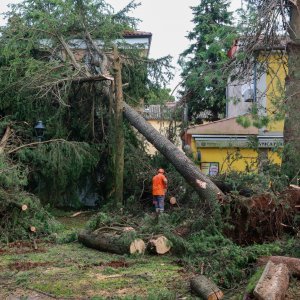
{"x": 122, "y": 240}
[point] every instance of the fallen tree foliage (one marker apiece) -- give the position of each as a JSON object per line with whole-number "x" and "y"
{"x": 22, "y": 215}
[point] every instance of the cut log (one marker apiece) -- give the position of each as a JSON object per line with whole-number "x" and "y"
{"x": 159, "y": 244}
{"x": 173, "y": 200}
{"x": 190, "y": 172}
{"x": 273, "y": 282}
{"x": 112, "y": 241}
{"x": 137, "y": 246}
{"x": 296, "y": 187}
{"x": 32, "y": 229}
{"x": 205, "y": 288}
{"x": 23, "y": 207}
{"x": 292, "y": 263}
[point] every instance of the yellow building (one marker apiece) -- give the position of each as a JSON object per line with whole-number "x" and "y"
{"x": 164, "y": 119}
{"x": 224, "y": 145}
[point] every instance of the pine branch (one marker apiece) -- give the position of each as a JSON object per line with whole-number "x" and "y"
{"x": 30, "y": 145}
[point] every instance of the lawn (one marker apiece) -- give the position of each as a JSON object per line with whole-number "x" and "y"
{"x": 72, "y": 271}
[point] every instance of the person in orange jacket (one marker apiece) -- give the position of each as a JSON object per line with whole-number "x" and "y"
{"x": 159, "y": 189}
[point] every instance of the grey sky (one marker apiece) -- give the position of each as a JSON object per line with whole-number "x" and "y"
{"x": 168, "y": 20}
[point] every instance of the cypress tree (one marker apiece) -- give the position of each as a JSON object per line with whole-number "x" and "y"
{"x": 204, "y": 85}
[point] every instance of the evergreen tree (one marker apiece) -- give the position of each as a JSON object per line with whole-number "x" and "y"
{"x": 203, "y": 62}
{"x": 44, "y": 76}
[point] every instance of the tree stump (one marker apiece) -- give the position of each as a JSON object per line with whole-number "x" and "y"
{"x": 273, "y": 282}
{"x": 112, "y": 241}
{"x": 159, "y": 244}
{"x": 205, "y": 288}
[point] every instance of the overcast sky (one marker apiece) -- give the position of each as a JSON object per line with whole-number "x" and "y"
{"x": 169, "y": 21}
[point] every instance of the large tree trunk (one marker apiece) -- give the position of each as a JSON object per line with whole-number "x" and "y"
{"x": 273, "y": 282}
{"x": 177, "y": 158}
{"x": 291, "y": 159}
{"x": 119, "y": 132}
{"x": 112, "y": 241}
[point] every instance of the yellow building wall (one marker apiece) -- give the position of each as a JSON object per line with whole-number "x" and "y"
{"x": 274, "y": 157}
{"x": 275, "y": 80}
{"x": 162, "y": 126}
{"x": 232, "y": 159}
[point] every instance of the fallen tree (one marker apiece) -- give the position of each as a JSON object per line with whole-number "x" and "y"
{"x": 115, "y": 240}
{"x": 191, "y": 173}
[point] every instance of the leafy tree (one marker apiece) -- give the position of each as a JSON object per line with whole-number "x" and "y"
{"x": 159, "y": 96}
{"x": 204, "y": 86}
{"x": 45, "y": 76}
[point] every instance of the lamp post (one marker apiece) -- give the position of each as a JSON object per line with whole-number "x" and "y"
{"x": 39, "y": 129}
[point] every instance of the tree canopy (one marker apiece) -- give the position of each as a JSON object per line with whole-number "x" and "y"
{"x": 55, "y": 66}
{"x": 204, "y": 84}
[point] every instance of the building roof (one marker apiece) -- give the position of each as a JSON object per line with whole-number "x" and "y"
{"x": 260, "y": 43}
{"x": 223, "y": 126}
{"x": 143, "y": 38}
{"x": 136, "y": 33}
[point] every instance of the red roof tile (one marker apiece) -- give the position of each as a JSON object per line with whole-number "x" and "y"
{"x": 136, "y": 33}
{"x": 223, "y": 126}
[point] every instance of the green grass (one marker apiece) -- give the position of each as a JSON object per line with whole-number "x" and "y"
{"x": 69, "y": 269}
{"x": 73, "y": 270}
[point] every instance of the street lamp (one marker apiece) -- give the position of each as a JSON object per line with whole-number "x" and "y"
{"x": 39, "y": 129}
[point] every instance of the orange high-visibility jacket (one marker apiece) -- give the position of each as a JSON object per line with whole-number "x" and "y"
{"x": 159, "y": 184}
